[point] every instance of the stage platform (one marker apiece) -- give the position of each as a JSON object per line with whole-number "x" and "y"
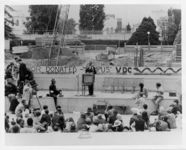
{"x": 75, "y": 102}
{"x": 108, "y": 82}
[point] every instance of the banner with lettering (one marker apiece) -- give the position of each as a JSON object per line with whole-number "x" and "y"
{"x": 102, "y": 70}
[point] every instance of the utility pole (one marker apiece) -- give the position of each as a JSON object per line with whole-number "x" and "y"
{"x": 64, "y": 16}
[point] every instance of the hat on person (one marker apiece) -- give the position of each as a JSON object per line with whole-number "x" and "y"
{"x": 135, "y": 111}
{"x": 19, "y": 59}
{"x": 100, "y": 128}
{"x": 88, "y": 120}
{"x": 162, "y": 111}
{"x": 119, "y": 117}
{"x": 117, "y": 123}
{"x": 53, "y": 79}
{"x": 95, "y": 120}
{"x": 89, "y": 109}
{"x": 23, "y": 101}
{"x": 58, "y": 107}
{"x": 16, "y": 58}
{"x": 45, "y": 107}
{"x": 176, "y": 101}
{"x": 99, "y": 116}
{"x": 126, "y": 128}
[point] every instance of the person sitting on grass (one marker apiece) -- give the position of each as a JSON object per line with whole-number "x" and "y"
{"x": 170, "y": 118}
{"x": 15, "y": 129}
{"x": 70, "y": 125}
{"x": 113, "y": 117}
{"x": 146, "y": 115}
{"x": 29, "y": 128}
{"x": 89, "y": 114}
{"x": 176, "y": 107}
{"x": 11, "y": 92}
{"x": 14, "y": 103}
{"x": 45, "y": 107}
{"x": 136, "y": 121}
{"x": 118, "y": 126}
{"x": 161, "y": 125}
{"x": 7, "y": 126}
{"x": 59, "y": 119}
{"x": 46, "y": 118}
{"x": 108, "y": 112}
{"x": 81, "y": 123}
{"x": 20, "y": 107}
{"x": 20, "y": 122}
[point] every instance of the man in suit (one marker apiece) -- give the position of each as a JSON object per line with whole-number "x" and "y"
{"x": 92, "y": 70}
{"x": 22, "y": 74}
{"x": 54, "y": 92}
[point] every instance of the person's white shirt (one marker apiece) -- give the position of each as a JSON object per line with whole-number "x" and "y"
{"x": 27, "y": 93}
{"x": 20, "y": 107}
{"x": 159, "y": 91}
{"x": 28, "y": 130}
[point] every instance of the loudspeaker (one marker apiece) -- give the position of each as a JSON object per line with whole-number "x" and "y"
{"x": 172, "y": 94}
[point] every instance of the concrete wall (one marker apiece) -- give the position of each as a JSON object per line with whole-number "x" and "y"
{"x": 70, "y": 82}
{"x": 80, "y": 104}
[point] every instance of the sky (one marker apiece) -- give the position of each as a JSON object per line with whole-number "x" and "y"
{"x": 132, "y": 14}
{"x": 129, "y": 13}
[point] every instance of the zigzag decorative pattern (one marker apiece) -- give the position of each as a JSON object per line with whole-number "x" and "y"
{"x": 158, "y": 68}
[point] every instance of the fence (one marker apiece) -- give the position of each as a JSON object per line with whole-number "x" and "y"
{"x": 98, "y": 47}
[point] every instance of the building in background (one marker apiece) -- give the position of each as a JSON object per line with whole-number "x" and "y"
{"x": 19, "y": 17}
{"x": 110, "y": 24}
{"x": 162, "y": 27}
{"x": 119, "y": 25}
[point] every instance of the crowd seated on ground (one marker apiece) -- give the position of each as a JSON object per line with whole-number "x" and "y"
{"x": 23, "y": 118}
{"x": 46, "y": 121}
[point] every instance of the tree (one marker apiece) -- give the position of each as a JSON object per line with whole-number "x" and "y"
{"x": 140, "y": 35}
{"x": 91, "y": 17}
{"x": 128, "y": 27}
{"x": 42, "y": 18}
{"x": 174, "y": 21}
{"x": 171, "y": 33}
{"x": 69, "y": 27}
{"x": 8, "y": 22}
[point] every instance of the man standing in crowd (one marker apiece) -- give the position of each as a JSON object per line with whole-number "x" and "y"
{"x": 54, "y": 92}
{"x": 92, "y": 70}
{"x": 20, "y": 108}
{"x": 27, "y": 93}
{"x": 22, "y": 74}
{"x": 11, "y": 92}
{"x": 158, "y": 97}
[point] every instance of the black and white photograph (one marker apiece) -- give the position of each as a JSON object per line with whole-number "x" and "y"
{"x": 88, "y": 72}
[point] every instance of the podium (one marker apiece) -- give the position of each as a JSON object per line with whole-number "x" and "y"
{"x": 87, "y": 79}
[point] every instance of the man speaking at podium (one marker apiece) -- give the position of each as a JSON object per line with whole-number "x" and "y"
{"x": 92, "y": 70}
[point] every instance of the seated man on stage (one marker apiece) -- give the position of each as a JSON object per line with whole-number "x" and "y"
{"x": 54, "y": 92}
{"x": 158, "y": 97}
{"x": 92, "y": 70}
